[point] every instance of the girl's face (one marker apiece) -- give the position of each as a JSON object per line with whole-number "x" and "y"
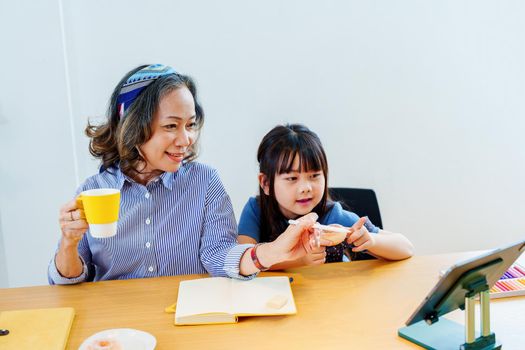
{"x": 173, "y": 132}
{"x": 297, "y": 192}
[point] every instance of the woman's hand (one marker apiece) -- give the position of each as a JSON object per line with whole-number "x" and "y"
{"x": 72, "y": 223}
{"x": 360, "y": 237}
{"x": 74, "y": 226}
{"x": 294, "y": 243}
{"x": 317, "y": 256}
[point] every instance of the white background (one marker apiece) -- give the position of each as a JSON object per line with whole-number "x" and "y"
{"x": 421, "y": 101}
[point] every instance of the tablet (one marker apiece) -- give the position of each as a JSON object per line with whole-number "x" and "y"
{"x": 448, "y": 295}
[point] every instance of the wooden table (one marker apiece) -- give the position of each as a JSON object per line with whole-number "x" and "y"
{"x": 358, "y": 305}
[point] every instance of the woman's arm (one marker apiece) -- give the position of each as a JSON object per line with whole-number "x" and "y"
{"x": 293, "y": 244}
{"x": 73, "y": 226}
{"x": 288, "y": 265}
{"x": 68, "y": 261}
{"x": 316, "y": 257}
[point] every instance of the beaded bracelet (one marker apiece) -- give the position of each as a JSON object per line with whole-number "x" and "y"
{"x": 255, "y": 259}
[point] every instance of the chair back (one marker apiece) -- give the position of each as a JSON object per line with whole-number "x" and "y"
{"x": 361, "y": 201}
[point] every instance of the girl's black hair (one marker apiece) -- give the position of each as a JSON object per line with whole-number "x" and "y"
{"x": 276, "y": 154}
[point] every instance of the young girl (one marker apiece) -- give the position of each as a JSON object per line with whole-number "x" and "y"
{"x": 293, "y": 182}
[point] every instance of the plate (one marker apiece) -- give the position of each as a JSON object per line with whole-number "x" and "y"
{"x": 127, "y": 338}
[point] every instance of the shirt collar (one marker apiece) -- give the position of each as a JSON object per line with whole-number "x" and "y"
{"x": 167, "y": 178}
{"x": 121, "y": 178}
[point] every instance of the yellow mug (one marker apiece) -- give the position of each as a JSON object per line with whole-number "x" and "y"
{"x": 101, "y": 207}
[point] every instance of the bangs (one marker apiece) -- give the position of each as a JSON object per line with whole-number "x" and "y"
{"x": 311, "y": 158}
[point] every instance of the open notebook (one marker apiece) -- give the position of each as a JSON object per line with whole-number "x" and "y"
{"x": 222, "y": 300}
{"x": 42, "y": 329}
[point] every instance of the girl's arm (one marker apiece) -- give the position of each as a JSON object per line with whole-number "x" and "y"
{"x": 391, "y": 246}
{"x": 243, "y": 239}
{"x": 384, "y": 244}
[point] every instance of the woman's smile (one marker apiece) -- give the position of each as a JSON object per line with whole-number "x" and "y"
{"x": 176, "y": 157}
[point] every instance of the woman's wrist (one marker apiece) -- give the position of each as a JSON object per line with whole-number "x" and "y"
{"x": 265, "y": 254}
{"x": 67, "y": 259}
{"x": 69, "y": 243}
{"x": 255, "y": 259}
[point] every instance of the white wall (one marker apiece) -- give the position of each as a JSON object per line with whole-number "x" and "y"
{"x": 422, "y": 101}
{"x": 36, "y": 157}
{"x": 3, "y": 261}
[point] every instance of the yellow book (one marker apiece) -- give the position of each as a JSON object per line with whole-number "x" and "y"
{"x": 42, "y": 329}
{"x": 222, "y": 300}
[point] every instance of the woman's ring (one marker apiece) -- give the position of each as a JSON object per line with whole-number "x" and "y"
{"x": 71, "y": 213}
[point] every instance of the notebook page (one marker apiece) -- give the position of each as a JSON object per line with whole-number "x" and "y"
{"x": 202, "y": 296}
{"x": 252, "y": 297}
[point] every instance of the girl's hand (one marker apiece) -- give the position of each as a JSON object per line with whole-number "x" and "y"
{"x": 360, "y": 237}
{"x": 72, "y": 222}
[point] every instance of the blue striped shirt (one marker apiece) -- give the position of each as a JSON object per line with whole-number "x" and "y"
{"x": 180, "y": 223}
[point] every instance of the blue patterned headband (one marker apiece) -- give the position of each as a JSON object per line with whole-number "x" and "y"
{"x": 138, "y": 82}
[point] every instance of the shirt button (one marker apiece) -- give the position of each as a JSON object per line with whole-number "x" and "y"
{"x": 148, "y": 244}
{"x": 148, "y": 221}
{"x": 146, "y": 195}
{"x": 150, "y": 269}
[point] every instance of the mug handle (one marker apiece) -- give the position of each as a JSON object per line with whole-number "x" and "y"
{"x": 80, "y": 205}
{"x": 78, "y": 200}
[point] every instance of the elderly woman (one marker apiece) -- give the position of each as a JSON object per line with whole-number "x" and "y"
{"x": 175, "y": 216}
